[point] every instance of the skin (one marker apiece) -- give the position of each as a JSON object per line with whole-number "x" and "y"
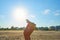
{"x": 28, "y": 30}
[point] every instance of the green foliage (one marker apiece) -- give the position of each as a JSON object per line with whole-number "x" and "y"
{"x": 51, "y": 28}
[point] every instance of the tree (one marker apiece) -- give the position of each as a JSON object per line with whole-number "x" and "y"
{"x": 41, "y": 28}
{"x": 36, "y": 28}
{"x": 12, "y": 27}
{"x": 52, "y": 28}
{"x": 57, "y": 28}
{"x": 46, "y": 28}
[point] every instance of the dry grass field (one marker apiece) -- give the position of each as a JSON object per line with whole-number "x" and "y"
{"x": 36, "y": 35}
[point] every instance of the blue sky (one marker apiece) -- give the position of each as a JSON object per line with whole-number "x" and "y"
{"x": 41, "y": 12}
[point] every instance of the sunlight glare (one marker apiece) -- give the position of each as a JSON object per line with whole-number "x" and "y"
{"x": 20, "y": 14}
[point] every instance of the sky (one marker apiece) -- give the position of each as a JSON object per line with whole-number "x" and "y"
{"x": 42, "y": 12}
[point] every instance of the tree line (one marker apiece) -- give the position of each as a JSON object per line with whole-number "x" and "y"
{"x": 51, "y": 28}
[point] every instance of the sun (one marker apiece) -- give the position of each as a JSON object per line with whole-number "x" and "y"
{"x": 20, "y": 14}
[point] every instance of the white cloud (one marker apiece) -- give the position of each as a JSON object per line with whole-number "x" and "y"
{"x": 46, "y": 11}
{"x": 57, "y": 14}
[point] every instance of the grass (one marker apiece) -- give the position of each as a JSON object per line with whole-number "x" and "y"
{"x": 36, "y": 35}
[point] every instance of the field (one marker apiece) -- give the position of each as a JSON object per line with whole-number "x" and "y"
{"x": 36, "y": 35}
